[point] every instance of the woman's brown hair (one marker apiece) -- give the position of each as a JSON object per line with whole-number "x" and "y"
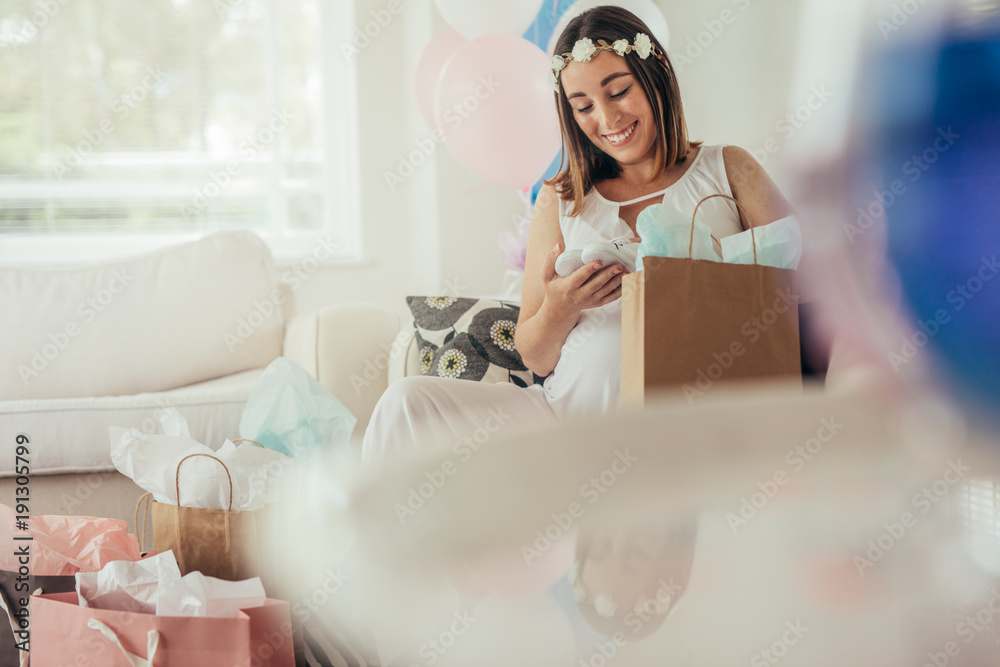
{"x": 587, "y": 163}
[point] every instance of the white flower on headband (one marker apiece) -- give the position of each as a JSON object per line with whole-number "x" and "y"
{"x": 643, "y": 46}
{"x": 583, "y": 50}
{"x": 558, "y": 63}
{"x": 553, "y": 81}
{"x": 621, "y": 47}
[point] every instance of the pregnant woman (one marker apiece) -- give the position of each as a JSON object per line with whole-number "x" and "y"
{"x": 627, "y": 146}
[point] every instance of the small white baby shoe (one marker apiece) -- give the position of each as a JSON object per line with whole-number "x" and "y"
{"x": 620, "y": 251}
{"x": 568, "y": 262}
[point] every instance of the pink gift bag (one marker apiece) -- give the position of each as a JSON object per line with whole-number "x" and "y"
{"x": 65, "y": 545}
{"x": 64, "y": 633}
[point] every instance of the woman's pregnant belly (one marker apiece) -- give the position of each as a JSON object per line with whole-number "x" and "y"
{"x": 588, "y": 375}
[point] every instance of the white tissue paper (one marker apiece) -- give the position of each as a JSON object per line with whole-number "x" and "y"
{"x": 779, "y": 244}
{"x": 126, "y": 585}
{"x": 195, "y": 594}
{"x": 151, "y": 461}
{"x": 155, "y": 585}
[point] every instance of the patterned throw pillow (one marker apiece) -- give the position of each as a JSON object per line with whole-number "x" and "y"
{"x": 469, "y": 339}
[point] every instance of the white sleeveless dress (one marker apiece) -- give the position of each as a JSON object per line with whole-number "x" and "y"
{"x": 587, "y": 377}
{"x": 422, "y": 411}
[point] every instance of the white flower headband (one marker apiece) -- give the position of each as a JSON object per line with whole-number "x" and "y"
{"x": 584, "y": 50}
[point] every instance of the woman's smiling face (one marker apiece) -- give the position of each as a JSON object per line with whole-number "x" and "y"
{"x": 611, "y": 107}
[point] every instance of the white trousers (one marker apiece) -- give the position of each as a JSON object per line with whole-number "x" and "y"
{"x": 426, "y": 413}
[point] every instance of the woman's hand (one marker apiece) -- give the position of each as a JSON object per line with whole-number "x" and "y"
{"x": 590, "y": 286}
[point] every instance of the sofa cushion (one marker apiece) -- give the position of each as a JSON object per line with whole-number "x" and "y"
{"x": 167, "y": 319}
{"x": 71, "y": 434}
{"x": 469, "y": 339}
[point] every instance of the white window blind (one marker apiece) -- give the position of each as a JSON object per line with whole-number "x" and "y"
{"x": 165, "y": 118}
{"x": 977, "y": 501}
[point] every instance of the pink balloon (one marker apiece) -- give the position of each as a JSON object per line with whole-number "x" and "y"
{"x": 427, "y": 73}
{"x": 497, "y": 110}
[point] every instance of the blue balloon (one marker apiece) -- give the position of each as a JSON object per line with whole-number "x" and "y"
{"x": 549, "y": 14}
{"x": 549, "y": 173}
{"x": 935, "y": 121}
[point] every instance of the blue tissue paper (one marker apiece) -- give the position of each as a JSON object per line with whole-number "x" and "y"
{"x": 290, "y": 412}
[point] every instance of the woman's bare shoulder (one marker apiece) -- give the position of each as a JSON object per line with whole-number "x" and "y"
{"x": 753, "y": 187}
{"x": 548, "y": 197}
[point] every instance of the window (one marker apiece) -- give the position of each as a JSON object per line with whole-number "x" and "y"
{"x": 127, "y": 124}
{"x": 978, "y": 508}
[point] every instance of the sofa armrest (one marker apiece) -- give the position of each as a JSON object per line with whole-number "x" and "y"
{"x": 403, "y": 349}
{"x": 347, "y": 348}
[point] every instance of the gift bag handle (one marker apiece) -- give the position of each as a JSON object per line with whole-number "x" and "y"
{"x": 152, "y": 643}
{"x": 249, "y": 440}
{"x": 177, "y": 477}
{"x": 753, "y": 239}
{"x": 148, "y": 499}
{"x": 13, "y": 625}
{"x": 177, "y": 508}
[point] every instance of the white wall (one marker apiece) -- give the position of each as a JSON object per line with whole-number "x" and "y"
{"x": 436, "y": 231}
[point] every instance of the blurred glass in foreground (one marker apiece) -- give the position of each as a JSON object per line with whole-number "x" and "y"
{"x": 930, "y": 115}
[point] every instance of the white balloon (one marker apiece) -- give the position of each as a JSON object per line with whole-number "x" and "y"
{"x": 644, "y": 9}
{"x": 476, "y": 18}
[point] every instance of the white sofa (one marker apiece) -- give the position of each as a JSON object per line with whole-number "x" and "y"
{"x": 191, "y": 327}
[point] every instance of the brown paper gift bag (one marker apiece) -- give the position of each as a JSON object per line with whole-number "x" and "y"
{"x": 218, "y": 543}
{"x": 688, "y": 325}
